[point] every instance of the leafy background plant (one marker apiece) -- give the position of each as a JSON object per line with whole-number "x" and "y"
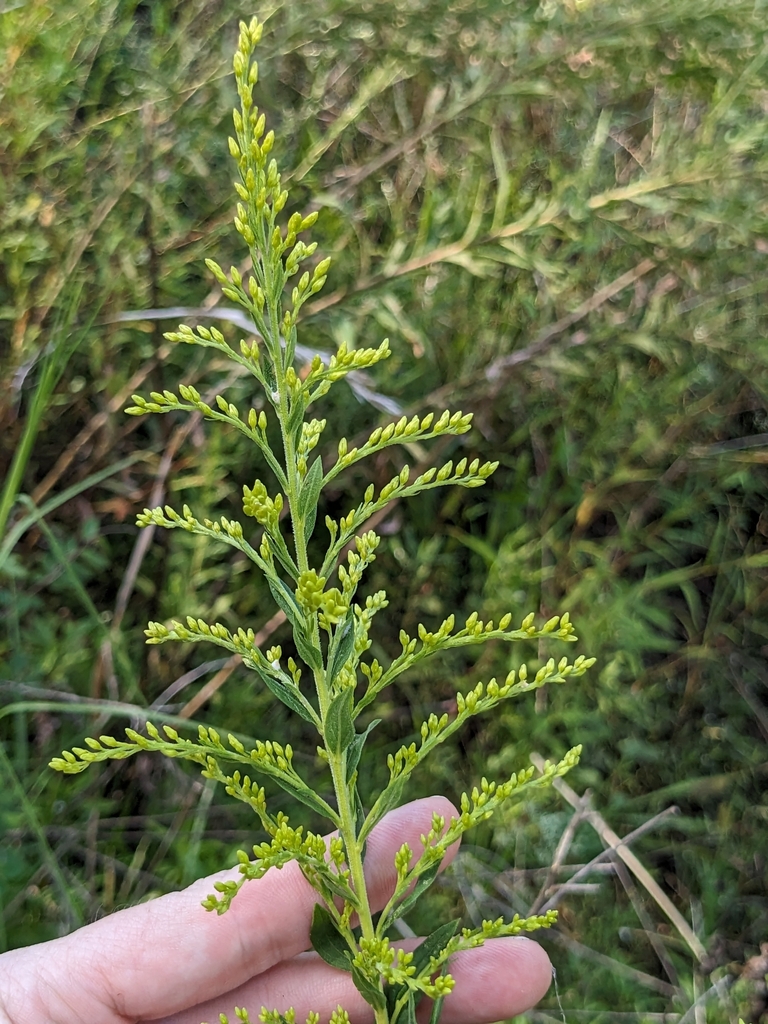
{"x": 569, "y": 194}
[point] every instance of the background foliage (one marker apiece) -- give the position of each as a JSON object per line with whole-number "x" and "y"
{"x": 557, "y": 213}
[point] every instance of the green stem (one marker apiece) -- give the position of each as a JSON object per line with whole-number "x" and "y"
{"x": 354, "y": 854}
{"x": 337, "y": 762}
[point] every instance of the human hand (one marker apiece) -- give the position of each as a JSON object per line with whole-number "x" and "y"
{"x": 169, "y": 960}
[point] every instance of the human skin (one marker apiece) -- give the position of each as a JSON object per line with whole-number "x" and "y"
{"x": 169, "y": 960}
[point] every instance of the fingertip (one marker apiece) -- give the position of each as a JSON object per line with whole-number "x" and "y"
{"x": 528, "y": 964}
{"x": 501, "y": 979}
{"x": 538, "y": 966}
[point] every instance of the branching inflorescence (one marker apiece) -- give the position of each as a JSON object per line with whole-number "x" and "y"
{"x": 330, "y": 625}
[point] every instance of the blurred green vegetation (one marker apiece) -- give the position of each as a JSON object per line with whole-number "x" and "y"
{"x": 557, "y": 212}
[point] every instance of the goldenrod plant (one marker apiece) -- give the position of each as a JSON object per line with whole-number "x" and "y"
{"x": 331, "y": 684}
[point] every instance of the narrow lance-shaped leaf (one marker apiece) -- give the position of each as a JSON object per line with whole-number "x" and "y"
{"x": 288, "y": 695}
{"x": 310, "y": 654}
{"x": 339, "y": 726}
{"x": 309, "y": 495}
{"x": 284, "y": 599}
{"x": 342, "y": 647}
{"x": 355, "y": 748}
{"x": 433, "y": 944}
{"x": 327, "y": 941}
{"x": 370, "y": 992}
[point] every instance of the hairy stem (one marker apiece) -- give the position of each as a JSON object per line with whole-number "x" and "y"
{"x": 354, "y": 854}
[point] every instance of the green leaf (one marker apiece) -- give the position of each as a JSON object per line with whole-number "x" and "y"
{"x": 339, "y": 730}
{"x": 343, "y": 645}
{"x": 359, "y": 820}
{"x": 433, "y": 944}
{"x": 296, "y": 417}
{"x": 301, "y": 791}
{"x": 356, "y": 748}
{"x": 421, "y": 886}
{"x": 310, "y": 494}
{"x": 285, "y": 599}
{"x": 289, "y": 697}
{"x": 340, "y": 888}
{"x": 307, "y": 650}
{"x": 359, "y": 813}
{"x": 309, "y": 523}
{"x": 328, "y": 941}
{"x": 371, "y": 993}
{"x": 388, "y": 799}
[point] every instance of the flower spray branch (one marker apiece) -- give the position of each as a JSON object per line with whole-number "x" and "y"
{"x": 330, "y": 624}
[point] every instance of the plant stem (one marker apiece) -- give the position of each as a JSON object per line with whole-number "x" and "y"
{"x": 349, "y": 835}
{"x": 337, "y": 762}
{"x": 354, "y": 855}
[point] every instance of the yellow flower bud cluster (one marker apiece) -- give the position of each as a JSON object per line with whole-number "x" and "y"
{"x": 265, "y": 510}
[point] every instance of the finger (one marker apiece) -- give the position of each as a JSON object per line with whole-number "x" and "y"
{"x": 501, "y": 979}
{"x": 155, "y": 959}
{"x": 305, "y": 983}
